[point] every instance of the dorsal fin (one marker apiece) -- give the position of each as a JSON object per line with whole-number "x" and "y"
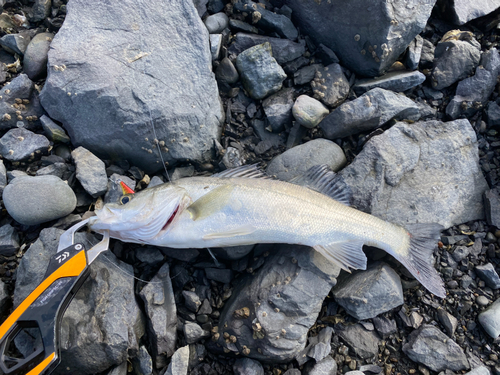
{"x": 246, "y": 171}
{"x": 323, "y": 180}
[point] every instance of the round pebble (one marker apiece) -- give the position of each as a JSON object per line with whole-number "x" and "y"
{"x": 36, "y": 56}
{"x": 36, "y": 200}
{"x": 216, "y": 23}
{"x": 308, "y": 111}
{"x": 482, "y": 301}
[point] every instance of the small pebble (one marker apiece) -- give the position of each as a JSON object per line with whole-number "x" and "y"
{"x": 482, "y": 301}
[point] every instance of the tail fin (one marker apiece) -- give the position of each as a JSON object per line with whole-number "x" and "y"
{"x": 420, "y": 261}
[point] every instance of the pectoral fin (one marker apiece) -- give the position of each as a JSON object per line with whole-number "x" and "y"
{"x": 211, "y": 202}
{"x": 347, "y": 255}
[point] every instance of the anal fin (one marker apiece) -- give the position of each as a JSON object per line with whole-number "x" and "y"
{"x": 347, "y": 255}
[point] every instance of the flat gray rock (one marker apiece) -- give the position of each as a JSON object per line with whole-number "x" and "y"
{"x": 366, "y": 39}
{"x": 271, "y": 312}
{"x": 278, "y": 109}
{"x": 487, "y": 273}
{"x": 299, "y": 159}
{"x": 105, "y": 92}
{"x": 426, "y": 172}
{"x": 455, "y": 57}
{"x": 20, "y": 144}
{"x": 90, "y": 171}
{"x": 36, "y": 56}
{"x": 364, "y": 343}
{"x": 370, "y": 111}
{"x": 36, "y": 200}
{"x": 327, "y": 366}
{"x": 463, "y": 11}
{"x": 366, "y": 294}
{"x": 9, "y": 240}
{"x": 247, "y": 366}
{"x": 490, "y": 319}
{"x": 260, "y": 73}
{"x": 180, "y": 362}
{"x": 330, "y": 85}
{"x": 54, "y": 132}
{"x": 432, "y": 348}
{"x": 480, "y": 370}
{"x": 161, "y": 312}
{"x": 492, "y": 207}
{"x": 414, "y": 53}
{"x": 395, "y": 81}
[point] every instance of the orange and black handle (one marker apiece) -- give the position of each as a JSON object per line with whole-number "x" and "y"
{"x": 44, "y": 308}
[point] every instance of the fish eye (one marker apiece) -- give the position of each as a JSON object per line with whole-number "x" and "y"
{"x": 125, "y": 199}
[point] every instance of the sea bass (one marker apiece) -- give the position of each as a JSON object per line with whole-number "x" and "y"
{"x": 243, "y": 206}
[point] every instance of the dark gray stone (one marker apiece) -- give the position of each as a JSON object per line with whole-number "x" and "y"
{"x": 480, "y": 370}
{"x": 395, "y": 81}
{"x": 488, "y": 274}
{"x": 463, "y": 11}
{"x": 284, "y": 50}
{"x": 492, "y": 207}
{"x": 299, "y": 159}
{"x": 308, "y": 111}
{"x": 293, "y": 66}
{"x": 40, "y": 10}
{"x": 319, "y": 346}
{"x": 191, "y": 300}
{"x": 3, "y": 176}
{"x": 330, "y": 85}
{"x": 215, "y": 6}
{"x": 233, "y": 252}
{"x": 370, "y": 111}
{"x": 364, "y": 343}
{"x": 90, "y": 171}
{"x": 23, "y": 145}
{"x": 266, "y": 20}
{"x": 36, "y": 200}
{"x": 385, "y": 326}
{"x": 237, "y": 26}
{"x": 493, "y": 114}
{"x": 247, "y": 366}
{"x": 473, "y": 92}
{"x": 182, "y": 172}
{"x": 113, "y": 120}
{"x": 36, "y": 56}
{"x": 264, "y": 134}
{"x": 278, "y": 109}
{"x": 490, "y": 319}
{"x": 414, "y": 52}
{"x": 179, "y": 363}
{"x": 215, "y": 45}
{"x": 449, "y": 322}
{"x": 327, "y": 366}
{"x": 193, "y": 332}
{"x": 367, "y": 39}
{"x": 143, "y": 364}
{"x": 366, "y": 294}
{"x": 427, "y": 56}
{"x": 221, "y": 275}
{"x": 260, "y": 73}
{"x": 216, "y": 23}
{"x": 226, "y": 72}
{"x": 57, "y": 169}
{"x": 159, "y": 303}
{"x": 15, "y": 43}
{"x": 306, "y": 74}
{"x": 53, "y": 132}
{"x": 455, "y": 57}
{"x": 271, "y": 312}
{"x": 9, "y": 240}
{"x": 401, "y": 174}
{"x": 326, "y": 55}
{"x": 432, "y": 348}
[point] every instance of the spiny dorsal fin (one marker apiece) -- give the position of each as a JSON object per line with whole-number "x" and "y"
{"x": 323, "y": 180}
{"x": 246, "y": 171}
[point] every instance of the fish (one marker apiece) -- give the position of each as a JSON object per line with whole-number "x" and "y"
{"x": 244, "y": 206}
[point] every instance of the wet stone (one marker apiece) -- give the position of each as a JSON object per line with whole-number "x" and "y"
{"x": 9, "y": 240}
{"x": 247, "y": 366}
{"x": 394, "y": 81}
{"x": 90, "y": 171}
{"x": 36, "y": 56}
{"x": 21, "y": 144}
{"x": 488, "y": 274}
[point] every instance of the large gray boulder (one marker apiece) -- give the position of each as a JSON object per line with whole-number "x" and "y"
{"x": 426, "y": 172}
{"x": 114, "y": 71}
{"x": 367, "y": 38}
{"x": 463, "y": 11}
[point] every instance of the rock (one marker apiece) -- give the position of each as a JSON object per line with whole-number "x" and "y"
{"x": 306, "y": 74}
{"x": 463, "y": 11}
{"x": 215, "y": 6}
{"x": 492, "y": 207}
{"x": 284, "y": 50}
{"x": 15, "y": 43}
{"x": 267, "y": 20}
{"x": 23, "y": 145}
{"x": 432, "y": 348}
{"x": 330, "y": 85}
{"x": 3, "y": 176}
{"x": 9, "y": 240}
{"x": 366, "y": 294}
{"x": 247, "y": 366}
{"x": 493, "y": 114}
{"x": 364, "y": 343}
{"x": 319, "y": 346}
{"x": 490, "y": 319}
{"x": 90, "y": 171}
{"x": 473, "y": 92}
{"x": 405, "y": 176}
{"x": 159, "y": 303}
{"x": 384, "y": 326}
{"x": 395, "y": 81}
{"x": 278, "y": 109}
{"x": 4, "y": 299}
{"x": 36, "y": 200}
{"x": 179, "y": 363}
{"x": 326, "y": 55}
{"x": 54, "y": 132}
{"x": 367, "y": 39}
{"x": 181, "y": 94}
{"x": 449, "y": 322}
{"x": 488, "y": 274}
{"x": 226, "y": 72}
{"x": 193, "y": 332}
{"x": 327, "y": 366}
{"x": 36, "y": 56}
{"x": 216, "y": 23}
{"x": 427, "y": 56}
{"x": 308, "y": 111}
{"x": 191, "y": 300}
{"x": 370, "y": 111}
{"x": 270, "y": 313}
{"x": 237, "y": 26}
{"x": 480, "y": 370}
{"x": 455, "y": 57}
{"x": 182, "y": 173}
{"x": 221, "y": 275}
{"x": 215, "y": 45}
{"x": 299, "y": 159}
{"x": 41, "y": 10}
{"x": 414, "y": 52}
{"x": 233, "y": 252}
{"x": 103, "y": 321}
{"x": 260, "y": 73}
{"x": 142, "y": 363}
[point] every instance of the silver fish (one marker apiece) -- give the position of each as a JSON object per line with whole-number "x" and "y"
{"x": 243, "y": 206}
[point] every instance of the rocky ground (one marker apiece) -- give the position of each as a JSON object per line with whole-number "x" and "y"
{"x": 98, "y": 92}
